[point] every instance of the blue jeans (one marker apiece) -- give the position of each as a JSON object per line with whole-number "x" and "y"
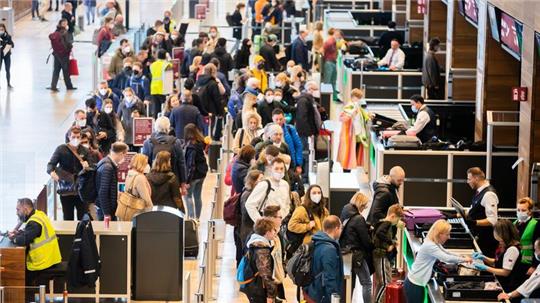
{"x": 193, "y": 198}
{"x": 413, "y": 292}
{"x": 363, "y": 275}
{"x": 35, "y": 8}
{"x": 90, "y": 13}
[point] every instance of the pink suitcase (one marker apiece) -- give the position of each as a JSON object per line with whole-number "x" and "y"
{"x": 421, "y": 216}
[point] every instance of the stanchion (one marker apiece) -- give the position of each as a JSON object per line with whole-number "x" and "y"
{"x": 186, "y": 291}
{"x": 42, "y": 294}
{"x": 200, "y": 297}
{"x": 311, "y": 157}
{"x": 1, "y": 294}
{"x": 210, "y": 264}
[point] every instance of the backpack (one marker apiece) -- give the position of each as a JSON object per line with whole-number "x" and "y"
{"x": 247, "y": 273}
{"x": 163, "y": 146}
{"x": 299, "y": 266}
{"x": 292, "y": 240}
{"x": 230, "y": 210}
{"x": 86, "y": 186}
{"x": 57, "y": 44}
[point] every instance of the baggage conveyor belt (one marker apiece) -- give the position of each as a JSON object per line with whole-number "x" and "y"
{"x": 387, "y": 110}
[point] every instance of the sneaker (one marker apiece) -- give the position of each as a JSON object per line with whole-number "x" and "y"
{"x": 71, "y": 88}
{"x": 49, "y": 9}
{"x": 42, "y": 19}
{"x": 53, "y": 89}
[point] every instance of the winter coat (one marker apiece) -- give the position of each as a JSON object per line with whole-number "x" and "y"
{"x": 117, "y": 62}
{"x": 241, "y": 58}
{"x": 384, "y": 195}
{"x": 210, "y": 96}
{"x": 225, "y": 59}
{"x": 238, "y": 173}
{"x": 183, "y": 115}
{"x": 269, "y": 55}
{"x": 260, "y": 74}
{"x": 124, "y": 113}
{"x": 165, "y": 188}
{"x": 383, "y": 237}
{"x": 305, "y": 116}
{"x": 265, "y": 265}
{"x": 299, "y": 53}
{"x": 140, "y": 187}
{"x": 355, "y": 234}
{"x": 283, "y": 149}
{"x": 327, "y": 267}
{"x": 178, "y": 163}
{"x": 290, "y": 135}
{"x": 102, "y": 123}
{"x": 84, "y": 264}
{"x": 107, "y": 185}
{"x": 299, "y": 222}
{"x": 246, "y": 136}
{"x": 196, "y": 166}
{"x": 109, "y": 95}
{"x": 265, "y": 110}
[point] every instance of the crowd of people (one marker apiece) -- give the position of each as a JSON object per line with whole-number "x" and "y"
{"x": 274, "y": 101}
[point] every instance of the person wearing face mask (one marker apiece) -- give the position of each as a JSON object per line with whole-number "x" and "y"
{"x": 139, "y": 83}
{"x": 63, "y": 167}
{"x": 94, "y": 156}
{"x": 39, "y": 236}
{"x": 529, "y": 230}
{"x": 175, "y": 40}
{"x": 267, "y": 106}
{"x": 273, "y": 136}
{"x": 213, "y": 34}
{"x": 235, "y": 103}
{"x": 356, "y": 239}
{"x": 528, "y": 289}
{"x": 117, "y": 60}
{"x": 424, "y": 126}
{"x": 506, "y": 265}
{"x": 121, "y": 80}
{"x": 274, "y": 191}
{"x": 241, "y": 58}
{"x": 80, "y": 121}
{"x": 268, "y": 52}
{"x": 107, "y": 182}
{"x": 431, "y": 251}
{"x": 431, "y": 72}
{"x": 61, "y": 44}
{"x": 299, "y": 50}
{"x": 127, "y": 111}
{"x": 307, "y": 219}
{"x": 289, "y": 94}
{"x": 104, "y": 92}
{"x": 6, "y": 45}
{"x": 247, "y": 133}
{"x": 307, "y": 123}
{"x": 292, "y": 139}
{"x": 385, "y": 194}
{"x": 259, "y": 73}
{"x": 169, "y": 24}
{"x": 67, "y": 13}
{"x": 105, "y": 36}
{"x": 101, "y": 125}
{"x": 225, "y": 60}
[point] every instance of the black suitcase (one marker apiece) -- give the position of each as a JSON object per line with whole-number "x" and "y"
{"x": 213, "y": 155}
{"x": 191, "y": 238}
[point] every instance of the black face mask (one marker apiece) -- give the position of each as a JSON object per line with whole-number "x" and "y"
{"x": 128, "y": 70}
{"x": 22, "y": 217}
{"x": 136, "y": 72}
{"x": 260, "y": 65}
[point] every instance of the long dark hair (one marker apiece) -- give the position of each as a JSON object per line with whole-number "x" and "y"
{"x": 2, "y": 25}
{"x": 192, "y": 133}
{"x": 314, "y": 208}
{"x": 507, "y": 232}
{"x": 245, "y": 48}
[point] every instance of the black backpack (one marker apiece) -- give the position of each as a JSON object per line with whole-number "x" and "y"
{"x": 299, "y": 267}
{"x": 168, "y": 145}
{"x": 86, "y": 184}
{"x": 292, "y": 240}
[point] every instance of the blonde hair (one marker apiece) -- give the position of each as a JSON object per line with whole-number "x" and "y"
{"x": 440, "y": 226}
{"x": 359, "y": 200}
{"x": 282, "y": 77}
{"x": 195, "y": 63}
{"x": 162, "y": 163}
{"x": 358, "y": 93}
{"x": 528, "y": 201}
{"x": 139, "y": 162}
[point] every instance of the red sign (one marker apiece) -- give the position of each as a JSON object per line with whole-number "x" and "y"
{"x": 200, "y": 11}
{"x": 519, "y": 94}
{"x": 421, "y": 6}
{"x": 142, "y": 130}
{"x": 123, "y": 167}
{"x": 176, "y": 68}
{"x": 178, "y": 53}
{"x": 509, "y": 33}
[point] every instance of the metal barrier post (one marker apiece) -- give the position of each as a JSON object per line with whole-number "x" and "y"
{"x": 42, "y": 294}
{"x": 1, "y": 294}
{"x": 186, "y": 291}
{"x": 311, "y": 158}
{"x": 209, "y": 275}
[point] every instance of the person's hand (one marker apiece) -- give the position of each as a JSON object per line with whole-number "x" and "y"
{"x": 390, "y": 248}
{"x": 101, "y": 135}
{"x": 481, "y": 267}
{"x": 530, "y": 271}
{"x": 269, "y": 300}
{"x": 311, "y": 224}
{"x": 477, "y": 256}
{"x": 298, "y": 170}
{"x": 183, "y": 189}
{"x": 85, "y": 164}
{"x": 401, "y": 225}
{"x": 11, "y": 235}
{"x": 503, "y": 296}
{"x": 55, "y": 176}
{"x": 392, "y": 68}
{"x": 146, "y": 102}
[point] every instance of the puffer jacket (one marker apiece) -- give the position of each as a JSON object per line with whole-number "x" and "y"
{"x": 384, "y": 195}
{"x": 290, "y": 135}
{"x": 265, "y": 265}
{"x": 107, "y": 186}
{"x": 165, "y": 188}
{"x": 355, "y": 234}
{"x": 225, "y": 59}
{"x": 327, "y": 267}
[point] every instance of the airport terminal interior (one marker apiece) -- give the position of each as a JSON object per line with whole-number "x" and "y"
{"x": 364, "y": 151}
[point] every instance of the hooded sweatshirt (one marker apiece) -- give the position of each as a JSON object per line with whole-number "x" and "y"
{"x": 165, "y": 188}
{"x": 264, "y": 263}
{"x": 260, "y": 73}
{"x": 385, "y": 194}
{"x": 225, "y": 59}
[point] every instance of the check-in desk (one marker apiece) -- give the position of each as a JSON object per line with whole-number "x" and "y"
{"x": 359, "y": 24}
{"x": 114, "y": 246}
{"x": 434, "y": 176}
{"x": 381, "y": 85}
{"x": 12, "y": 270}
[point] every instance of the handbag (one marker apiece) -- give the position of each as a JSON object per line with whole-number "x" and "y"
{"x": 128, "y": 204}
{"x": 67, "y": 185}
{"x": 73, "y": 66}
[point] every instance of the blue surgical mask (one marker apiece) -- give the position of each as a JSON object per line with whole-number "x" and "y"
{"x": 414, "y": 109}
{"x": 537, "y": 257}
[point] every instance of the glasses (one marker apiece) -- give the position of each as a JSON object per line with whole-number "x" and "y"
{"x": 278, "y": 217}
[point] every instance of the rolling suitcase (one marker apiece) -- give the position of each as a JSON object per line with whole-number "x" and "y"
{"x": 395, "y": 292}
{"x": 191, "y": 238}
{"x": 421, "y": 216}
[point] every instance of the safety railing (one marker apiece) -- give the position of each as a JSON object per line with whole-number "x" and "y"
{"x": 18, "y": 294}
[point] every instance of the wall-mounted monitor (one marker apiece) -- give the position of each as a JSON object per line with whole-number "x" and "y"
{"x": 471, "y": 11}
{"x": 511, "y": 35}
{"x": 494, "y": 16}
{"x": 461, "y": 8}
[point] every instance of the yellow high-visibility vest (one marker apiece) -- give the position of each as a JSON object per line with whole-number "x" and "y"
{"x": 157, "y": 69}
{"x": 44, "y": 251}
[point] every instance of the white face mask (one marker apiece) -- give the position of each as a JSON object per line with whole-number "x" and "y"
{"x": 522, "y": 216}
{"x": 128, "y": 99}
{"x": 277, "y": 98}
{"x": 289, "y": 70}
{"x": 102, "y": 91}
{"x": 277, "y": 176}
{"x": 278, "y": 84}
{"x": 316, "y": 198}
{"x": 269, "y": 99}
{"x": 537, "y": 257}
{"x": 213, "y": 34}
{"x": 316, "y": 94}
{"x": 126, "y": 49}
{"x": 81, "y": 123}
{"x": 260, "y": 97}
{"x": 174, "y": 37}
{"x": 108, "y": 110}
{"x": 75, "y": 142}
{"x": 414, "y": 109}
{"x": 86, "y": 145}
